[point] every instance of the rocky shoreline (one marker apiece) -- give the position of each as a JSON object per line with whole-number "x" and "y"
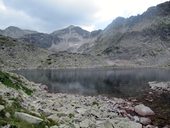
{"x": 160, "y": 86}
{"x": 59, "y": 110}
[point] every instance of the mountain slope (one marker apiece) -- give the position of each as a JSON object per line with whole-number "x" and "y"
{"x": 67, "y": 39}
{"x": 15, "y": 32}
{"x": 41, "y": 40}
{"x": 144, "y": 39}
{"x": 71, "y": 38}
{"x": 15, "y": 54}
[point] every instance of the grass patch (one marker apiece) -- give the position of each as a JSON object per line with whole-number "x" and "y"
{"x": 13, "y": 82}
{"x": 17, "y": 123}
{"x": 71, "y": 115}
{"x": 95, "y": 103}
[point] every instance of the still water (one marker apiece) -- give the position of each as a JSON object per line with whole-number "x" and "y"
{"x": 110, "y": 82}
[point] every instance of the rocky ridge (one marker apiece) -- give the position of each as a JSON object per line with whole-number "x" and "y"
{"x": 67, "y": 39}
{"x": 15, "y": 32}
{"x": 142, "y": 39}
{"x": 15, "y": 54}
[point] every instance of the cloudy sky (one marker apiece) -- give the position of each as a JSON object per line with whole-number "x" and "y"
{"x": 50, "y": 15}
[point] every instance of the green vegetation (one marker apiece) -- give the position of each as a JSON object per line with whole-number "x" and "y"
{"x": 17, "y": 123}
{"x": 13, "y": 82}
{"x": 95, "y": 103}
{"x": 71, "y": 115}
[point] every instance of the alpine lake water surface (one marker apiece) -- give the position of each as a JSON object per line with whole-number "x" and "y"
{"x": 123, "y": 83}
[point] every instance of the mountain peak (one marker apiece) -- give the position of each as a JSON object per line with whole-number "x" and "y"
{"x": 71, "y": 29}
{"x": 16, "y": 32}
{"x": 162, "y": 9}
{"x": 11, "y": 28}
{"x": 71, "y": 26}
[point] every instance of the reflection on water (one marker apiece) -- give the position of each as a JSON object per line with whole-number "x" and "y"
{"x": 111, "y": 82}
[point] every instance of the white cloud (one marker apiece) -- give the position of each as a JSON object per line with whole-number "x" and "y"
{"x": 110, "y": 9}
{"x": 88, "y": 27}
{"x": 49, "y": 15}
{"x": 2, "y": 6}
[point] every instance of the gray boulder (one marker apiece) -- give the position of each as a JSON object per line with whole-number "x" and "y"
{"x": 125, "y": 123}
{"x": 106, "y": 124}
{"x": 2, "y": 107}
{"x": 54, "y": 117}
{"x": 145, "y": 121}
{"x": 143, "y": 110}
{"x": 55, "y": 126}
{"x": 85, "y": 123}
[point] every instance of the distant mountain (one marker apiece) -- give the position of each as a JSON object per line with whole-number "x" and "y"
{"x": 15, "y": 54}
{"x": 71, "y": 38}
{"x": 15, "y": 32}
{"x": 144, "y": 39}
{"x": 67, "y": 39}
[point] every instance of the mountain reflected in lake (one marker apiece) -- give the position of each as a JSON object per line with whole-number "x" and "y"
{"x": 110, "y": 82}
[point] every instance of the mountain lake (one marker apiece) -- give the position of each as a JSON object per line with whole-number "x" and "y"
{"x": 123, "y": 83}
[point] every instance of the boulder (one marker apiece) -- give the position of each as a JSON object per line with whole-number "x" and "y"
{"x": 151, "y": 126}
{"x": 55, "y": 126}
{"x": 95, "y": 113}
{"x": 54, "y": 117}
{"x": 1, "y": 108}
{"x": 143, "y": 110}
{"x": 145, "y": 121}
{"x": 129, "y": 124}
{"x": 125, "y": 123}
{"x": 28, "y": 118}
{"x": 136, "y": 118}
{"x": 6, "y": 126}
{"x": 106, "y": 124}
{"x": 7, "y": 115}
{"x": 85, "y": 123}
{"x": 81, "y": 111}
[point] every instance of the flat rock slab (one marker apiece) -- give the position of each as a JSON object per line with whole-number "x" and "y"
{"x": 28, "y": 118}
